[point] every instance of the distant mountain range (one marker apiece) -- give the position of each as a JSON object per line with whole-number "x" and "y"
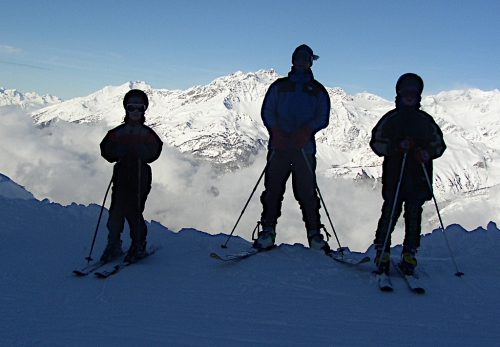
{"x": 27, "y": 101}
{"x": 220, "y": 122}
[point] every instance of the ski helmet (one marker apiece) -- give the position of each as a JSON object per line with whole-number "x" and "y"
{"x": 139, "y": 92}
{"x": 410, "y": 81}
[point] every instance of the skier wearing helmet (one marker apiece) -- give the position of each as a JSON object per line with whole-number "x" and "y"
{"x": 294, "y": 109}
{"x": 132, "y": 146}
{"x": 409, "y": 140}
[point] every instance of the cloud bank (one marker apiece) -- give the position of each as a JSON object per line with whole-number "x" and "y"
{"x": 64, "y": 165}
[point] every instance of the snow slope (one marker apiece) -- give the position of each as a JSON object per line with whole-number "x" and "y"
{"x": 291, "y": 296}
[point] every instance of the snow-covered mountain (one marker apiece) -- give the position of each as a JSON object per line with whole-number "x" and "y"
{"x": 219, "y": 126}
{"x": 220, "y": 122}
{"x": 291, "y": 296}
{"x": 28, "y": 101}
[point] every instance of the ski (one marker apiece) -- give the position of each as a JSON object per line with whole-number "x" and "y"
{"x": 88, "y": 269}
{"x": 235, "y": 256}
{"x": 92, "y": 267}
{"x": 384, "y": 282}
{"x": 412, "y": 280}
{"x": 114, "y": 270}
{"x": 117, "y": 268}
{"x": 340, "y": 257}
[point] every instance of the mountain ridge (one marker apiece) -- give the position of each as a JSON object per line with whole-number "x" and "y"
{"x": 220, "y": 122}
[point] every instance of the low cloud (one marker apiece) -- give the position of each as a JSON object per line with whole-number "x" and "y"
{"x": 64, "y": 165}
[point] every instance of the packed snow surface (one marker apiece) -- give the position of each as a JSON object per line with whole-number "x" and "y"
{"x": 290, "y": 296}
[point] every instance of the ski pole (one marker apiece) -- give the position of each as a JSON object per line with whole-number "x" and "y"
{"x": 322, "y": 201}
{"x": 458, "y": 273}
{"x": 393, "y": 209}
{"x": 253, "y": 191}
{"x": 89, "y": 258}
{"x": 139, "y": 201}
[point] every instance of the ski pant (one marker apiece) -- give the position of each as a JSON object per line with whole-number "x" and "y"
{"x": 127, "y": 203}
{"x": 413, "y": 201}
{"x": 278, "y": 170}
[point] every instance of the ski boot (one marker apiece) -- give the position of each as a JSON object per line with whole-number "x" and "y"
{"x": 136, "y": 252}
{"x": 382, "y": 260}
{"x": 316, "y": 241}
{"x": 112, "y": 251}
{"x": 265, "y": 239}
{"x": 407, "y": 263}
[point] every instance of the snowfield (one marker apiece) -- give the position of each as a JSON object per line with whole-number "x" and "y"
{"x": 291, "y": 296}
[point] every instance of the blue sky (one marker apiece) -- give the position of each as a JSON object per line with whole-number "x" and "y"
{"x": 74, "y": 48}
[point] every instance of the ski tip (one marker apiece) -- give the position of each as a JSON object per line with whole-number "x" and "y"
{"x": 384, "y": 282}
{"x": 79, "y": 273}
{"x": 215, "y": 256}
{"x": 365, "y": 260}
{"x": 347, "y": 260}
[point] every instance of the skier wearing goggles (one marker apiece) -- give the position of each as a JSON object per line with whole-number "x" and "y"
{"x": 409, "y": 140}
{"x": 132, "y": 146}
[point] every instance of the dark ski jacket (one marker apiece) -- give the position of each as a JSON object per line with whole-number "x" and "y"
{"x": 395, "y": 126}
{"x": 125, "y": 145}
{"x": 295, "y": 101}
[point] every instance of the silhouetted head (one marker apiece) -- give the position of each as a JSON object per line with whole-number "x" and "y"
{"x": 135, "y": 103}
{"x": 303, "y": 57}
{"x": 409, "y": 89}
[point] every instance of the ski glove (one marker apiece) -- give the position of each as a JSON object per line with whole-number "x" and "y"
{"x": 278, "y": 138}
{"x": 405, "y": 145}
{"x": 301, "y": 136}
{"x": 422, "y": 156}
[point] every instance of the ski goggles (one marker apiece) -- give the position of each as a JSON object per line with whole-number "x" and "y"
{"x": 409, "y": 91}
{"x": 136, "y": 108}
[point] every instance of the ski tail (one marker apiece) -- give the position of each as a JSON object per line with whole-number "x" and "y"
{"x": 384, "y": 282}
{"x": 88, "y": 269}
{"x": 95, "y": 266}
{"x": 118, "y": 267}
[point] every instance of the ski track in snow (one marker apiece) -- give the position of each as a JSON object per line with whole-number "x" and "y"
{"x": 290, "y": 296}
